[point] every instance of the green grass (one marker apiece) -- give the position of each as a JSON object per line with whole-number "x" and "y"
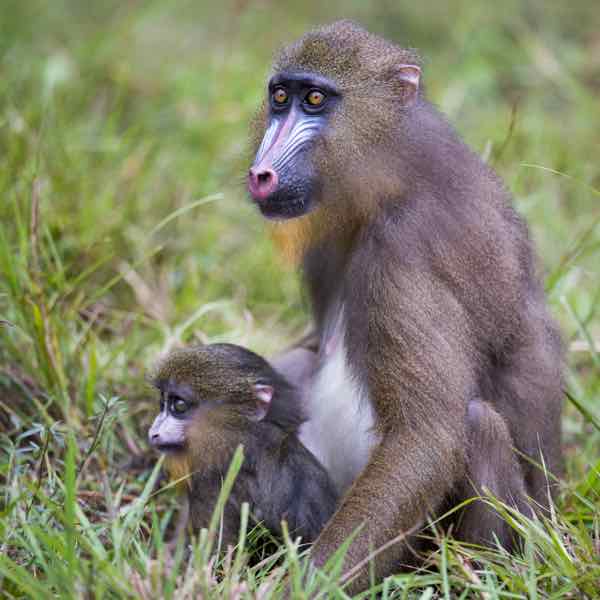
{"x": 124, "y": 230}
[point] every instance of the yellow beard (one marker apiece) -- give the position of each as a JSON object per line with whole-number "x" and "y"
{"x": 294, "y": 236}
{"x": 178, "y": 467}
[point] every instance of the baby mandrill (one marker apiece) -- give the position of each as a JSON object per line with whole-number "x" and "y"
{"x": 215, "y": 397}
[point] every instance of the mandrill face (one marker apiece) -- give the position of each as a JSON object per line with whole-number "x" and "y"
{"x": 167, "y": 432}
{"x": 282, "y": 180}
{"x": 333, "y": 122}
{"x": 203, "y": 387}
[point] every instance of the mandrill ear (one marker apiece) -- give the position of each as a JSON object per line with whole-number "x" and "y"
{"x": 410, "y": 79}
{"x": 263, "y": 395}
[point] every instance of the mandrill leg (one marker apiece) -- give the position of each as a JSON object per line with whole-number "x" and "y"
{"x": 493, "y": 466}
{"x": 297, "y": 365}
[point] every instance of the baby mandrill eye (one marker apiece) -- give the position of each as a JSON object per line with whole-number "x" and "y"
{"x": 179, "y": 406}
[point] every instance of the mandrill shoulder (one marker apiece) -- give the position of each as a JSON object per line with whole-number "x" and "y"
{"x": 474, "y": 245}
{"x": 434, "y": 277}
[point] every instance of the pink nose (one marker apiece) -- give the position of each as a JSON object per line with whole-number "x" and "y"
{"x": 262, "y": 182}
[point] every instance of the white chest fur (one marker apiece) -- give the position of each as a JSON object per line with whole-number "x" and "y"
{"x": 340, "y": 430}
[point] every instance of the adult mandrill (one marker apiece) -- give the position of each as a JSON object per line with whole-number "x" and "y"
{"x": 436, "y": 352}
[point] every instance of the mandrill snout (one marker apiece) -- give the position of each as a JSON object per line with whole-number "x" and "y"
{"x": 262, "y": 182}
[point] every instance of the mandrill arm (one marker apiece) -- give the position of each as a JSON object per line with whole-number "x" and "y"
{"x": 391, "y": 499}
{"x": 409, "y": 343}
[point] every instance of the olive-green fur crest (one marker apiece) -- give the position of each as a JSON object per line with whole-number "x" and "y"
{"x": 188, "y": 366}
{"x": 347, "y": 54}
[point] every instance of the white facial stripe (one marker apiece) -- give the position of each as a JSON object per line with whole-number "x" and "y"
{"x": 168, "y": 429}
{"x": 155, "y": 428}
{"x": 298, "y": 137}
{"x": 302, "y": 132}
{"x": 267, "y": 140}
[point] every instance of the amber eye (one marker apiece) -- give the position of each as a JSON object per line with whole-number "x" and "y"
{"x": 315, "y": 98}
{"x": 280, "y": 96}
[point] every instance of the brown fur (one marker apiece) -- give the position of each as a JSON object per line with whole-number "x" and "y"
{"x": 416, "y": 238}
{"x": 280, "y": 478}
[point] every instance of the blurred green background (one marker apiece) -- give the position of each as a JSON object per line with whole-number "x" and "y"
{"x": 124, "y": 224}
{"x": 116, "y": 115}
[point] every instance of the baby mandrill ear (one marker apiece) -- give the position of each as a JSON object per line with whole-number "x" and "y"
{"x": 263, "y": 395}
{"x": 410, "y": 77}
